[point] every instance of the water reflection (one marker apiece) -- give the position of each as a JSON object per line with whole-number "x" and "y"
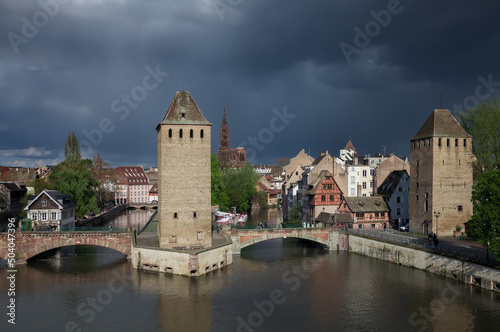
{"x": 277, "y": 285}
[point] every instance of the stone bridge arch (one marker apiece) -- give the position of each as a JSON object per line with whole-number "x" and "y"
{"x": 245, "y": 238}
{"x": 28, "y": 245}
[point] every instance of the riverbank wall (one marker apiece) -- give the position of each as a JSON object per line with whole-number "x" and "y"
{"x": 450, "y": 267}
{"x": 110, "y": 214}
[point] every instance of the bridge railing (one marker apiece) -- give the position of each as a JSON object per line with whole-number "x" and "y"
{"x": 86, "y": 229}
{"x": 276, "y": 226}
{"x": 389, "y": 237}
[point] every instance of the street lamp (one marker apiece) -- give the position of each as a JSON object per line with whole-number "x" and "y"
{"x": 324, "y": 216}
{"x": 437, "y": 214}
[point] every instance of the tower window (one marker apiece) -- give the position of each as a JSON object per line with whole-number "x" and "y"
{"x": 439, "y": 141}
{"x": 170, "y": 133}
{"x": 191, "y": 133}
{"x": 456, "y": 142}
{"x": 194, "y": 214}
{"x": 175, "y": 215}
{"x": 183, "y": 115}
{"x": 201, "y": 133}
{"x": 465, "y": 142}
{"x": 180, "y": 133}
{"x": 448, "y": 142}
{"x": 460, "y": 208}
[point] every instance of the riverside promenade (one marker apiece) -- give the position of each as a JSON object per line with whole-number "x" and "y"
{"x": 453, "y": 246}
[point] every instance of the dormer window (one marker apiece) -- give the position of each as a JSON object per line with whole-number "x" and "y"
{"x": 183, "y": 115}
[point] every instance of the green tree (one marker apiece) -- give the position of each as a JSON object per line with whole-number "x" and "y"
{"x": 219, "y": 195}
{"x": 72, "y": 154}
{"x": 483, "y": 123}
{"x": 24, "y": 202}
{"x": 79, "y": 183}
{"x": 485, "y": 222}
{"x": 240, "y": 186}
{"x": 294, "y": 214}
{"x": 40, "y": 184}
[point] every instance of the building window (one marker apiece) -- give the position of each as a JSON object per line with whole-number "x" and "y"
{"x": 332, "y": 198}
{"x": 439, "y": 141}
{"x": 371, "y": 184}
{"x": 44, "y": 203}
{"x": 364, "y": 185}
{"x": 191, "y": 133}
{"x": 199, "y": 235}
{"x": 44, "y": 216}
{"x": 170, "y": 133}
{"x": 417, "y": 197}
{"x": 417, "y": 185}
{"x": 400, "y": 189}
{"x": 418, "y": 163}
{"x": 180, "y": 133}
{"x": 377, "y": 214}
{"x": 194, "y": 214}
{"x": 183, "y": 115}
{"x": 448, "y": 142}
{"x": 382, "y": 214}
{"x": 352, "y": 179}
{"x": 202, "y": 133}
{"x": 353, "y": 192}
{"x": 53, "y": 216}
{"x": 175, "y": 215}
{"x": 465, "y": 142}
{"x": 364, "y": 172}
{"x": 456, "y": 142}
{"x": 460, "y": 208}
{"x": 323, "y": 198}
{"x": 360, "y": 215}
{"x": 398, "y": 199}
{"x": 398, "y": 211}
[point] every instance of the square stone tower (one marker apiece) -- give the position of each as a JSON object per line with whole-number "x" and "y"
{"x": 440, "y": 175}
{"x": 184, "y": 190}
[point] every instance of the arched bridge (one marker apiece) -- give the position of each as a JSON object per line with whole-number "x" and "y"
{"x": 327, "y": 236}
{"x": 30, "y": 244}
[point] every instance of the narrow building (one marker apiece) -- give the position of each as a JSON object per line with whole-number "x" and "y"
{"x": 440, "y": 175}
{"x": 184, "y": 211}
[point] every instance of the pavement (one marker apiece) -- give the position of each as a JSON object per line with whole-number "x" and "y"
{"x": 467, "y": 249}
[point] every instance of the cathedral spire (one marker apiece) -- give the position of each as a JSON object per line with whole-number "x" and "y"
{"x": 224, "y": 132}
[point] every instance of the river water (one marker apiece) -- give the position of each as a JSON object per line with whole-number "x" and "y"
{"x": 278, "y": 285}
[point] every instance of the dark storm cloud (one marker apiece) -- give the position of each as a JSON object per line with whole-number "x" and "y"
{"x": 75, "y": 71}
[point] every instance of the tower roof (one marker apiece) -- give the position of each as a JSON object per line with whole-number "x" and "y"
{"x": 184, "y": 111}
{"x": 441, "y": 124}
{"x": 349, "y": 146}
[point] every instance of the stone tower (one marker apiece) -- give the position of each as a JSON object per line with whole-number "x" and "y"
{"x": 184, "y": 191}
{"x": 440, "y": 175}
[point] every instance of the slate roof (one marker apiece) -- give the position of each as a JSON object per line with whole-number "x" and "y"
{"x": 367, "y": 204}
{"x": 325, "y": 217}
{"x": 12, "y": 186}
{"x": 63, "y": 201}
{"x": 344, "y": 218}
{"x": 441, "y": 124}
{"x": 390, "y": 184}
{"x": 184, "y": 111}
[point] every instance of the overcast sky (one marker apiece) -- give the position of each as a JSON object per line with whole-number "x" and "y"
{"x": 292, "y": 74}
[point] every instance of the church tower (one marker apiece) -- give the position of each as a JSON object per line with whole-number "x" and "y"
{"x": 440, "y": 175}
{"x": 224, "y": 133}
{"x": 184, "y": 190}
